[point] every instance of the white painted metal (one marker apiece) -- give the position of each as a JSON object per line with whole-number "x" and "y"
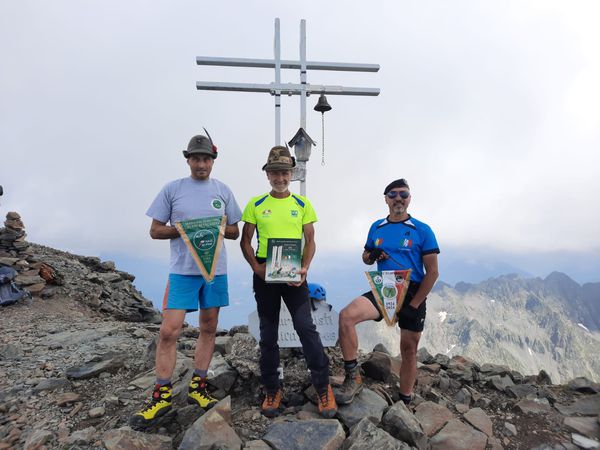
{"x": 286, "y": 88}
{"x": 303, "y": 91}
{"x": 277, "y": 82}
{"x": 285, "y": 64}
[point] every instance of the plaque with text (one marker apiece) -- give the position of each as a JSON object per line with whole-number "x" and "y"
{"x": 284, "y": 260}
{"x": 389, "y": 288}
{"x": 324, "y": 317}
{"x": 204, "y": 239}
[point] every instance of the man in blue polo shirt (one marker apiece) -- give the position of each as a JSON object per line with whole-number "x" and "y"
{"x": 397, "y": 242}
{"x": 188, "y": 198}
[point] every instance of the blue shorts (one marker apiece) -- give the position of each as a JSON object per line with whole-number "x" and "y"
{"x": 189, "y": 291}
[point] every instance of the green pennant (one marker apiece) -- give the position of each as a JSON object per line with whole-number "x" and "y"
{"x": 389, "y": 288}
{"x": 204, "y": 239}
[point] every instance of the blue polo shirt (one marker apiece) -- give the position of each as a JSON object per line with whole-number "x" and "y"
{"x": 406, "y": 242}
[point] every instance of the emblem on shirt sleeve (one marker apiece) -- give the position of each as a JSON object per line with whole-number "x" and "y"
{"x": 217, "y": 204}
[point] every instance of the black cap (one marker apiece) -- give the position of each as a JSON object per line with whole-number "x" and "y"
{"x": 396, "y": 184}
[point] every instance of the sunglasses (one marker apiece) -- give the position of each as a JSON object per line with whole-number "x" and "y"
{"x": 403, "y": 194}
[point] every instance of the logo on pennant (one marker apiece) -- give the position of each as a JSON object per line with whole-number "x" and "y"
{"x": 389, "y": 289}
{"x": 204, "y": 239}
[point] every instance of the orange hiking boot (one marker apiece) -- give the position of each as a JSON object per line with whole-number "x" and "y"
{"x": 271, "y": 406}
{"x": 326, "y": 403}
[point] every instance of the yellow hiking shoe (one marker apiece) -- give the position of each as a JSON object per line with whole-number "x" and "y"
{"x": 198, "y": 393}
{"x": 160, "y": 403}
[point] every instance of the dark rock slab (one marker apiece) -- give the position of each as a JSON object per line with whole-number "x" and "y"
{"x": 423, "y": 356}
{"x": 381, "y": 367}
{"x": 432, "y": 417}
{"x": 458, "y": 436}
{"x": 587, "y": 426}
{"x": 382, "y": 348}
{"x": 126, "y": 439}
{"x": 51, "y": 384}
{"x": 400, "y": 422}
{"x": 480, "y": 420}
{"x": 494, "y": 369}
{"x": 534, "y": 406}
{"x": 522, "y": 390}
{"x": 582, "y": 384}
{"x": 367, "y": 404}
{"x": 365, "y": 435}
{"x": 463, "y": 396}
{"x": 188, "y": 415}
{"x": 586, "y": 406}
{"x": 212, "y": 430}
{"x": 108, "y": 363}
{"x": 500, "y": 383}
{"x": 223, "y": 376}
{"x": 326, "y": 434}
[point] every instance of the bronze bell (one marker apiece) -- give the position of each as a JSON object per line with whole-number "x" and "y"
{"x": 322, "y": 106}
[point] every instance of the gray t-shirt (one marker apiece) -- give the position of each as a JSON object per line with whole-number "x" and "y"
{"x": 186, "y": 199}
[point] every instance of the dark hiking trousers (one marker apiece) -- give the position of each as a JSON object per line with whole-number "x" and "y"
{"x": 268, "y": 302}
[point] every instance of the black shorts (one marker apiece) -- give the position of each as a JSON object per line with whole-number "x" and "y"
{"x": 409, "y": 318}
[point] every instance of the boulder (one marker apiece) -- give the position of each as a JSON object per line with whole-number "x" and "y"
{"x": 480, "y": 420}
{"x": 458, "y": 436}
{"x": 127, "y": 439}
{"x": 400, "y": 422}
{"x": 381, "y": 367}
{"x": 212, "y": 430}
{"x": 325, "y": 434}
{"x": 367, "y": 404}
{"x": 432, "y": 417}
{"x": 365, "y": 435}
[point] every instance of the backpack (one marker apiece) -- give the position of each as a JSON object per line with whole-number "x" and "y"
{"x": 9, "y": 291}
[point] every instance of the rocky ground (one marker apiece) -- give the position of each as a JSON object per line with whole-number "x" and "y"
{"x": 76, "y": 361}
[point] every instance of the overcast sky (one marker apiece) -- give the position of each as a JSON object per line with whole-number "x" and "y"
{"x": 491, "y": 110}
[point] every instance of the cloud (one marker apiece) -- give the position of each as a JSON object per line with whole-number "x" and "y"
{"x": 490, "y": 110}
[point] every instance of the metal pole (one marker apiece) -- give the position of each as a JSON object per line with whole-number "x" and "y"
{"x": 277, "y": 81}
{"x": 303, "y": 93}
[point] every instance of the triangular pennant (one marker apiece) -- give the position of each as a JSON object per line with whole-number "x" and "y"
{"x": 389, "y": 288}
{"x": 204, "y": 240}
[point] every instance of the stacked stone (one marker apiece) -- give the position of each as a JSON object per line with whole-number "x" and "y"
{"x": 12, "y": 236}
{"x": 15, "y": 253}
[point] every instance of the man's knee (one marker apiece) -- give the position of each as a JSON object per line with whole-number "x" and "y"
{"x": 208, "y": 325}
{"x": 355, "y": 313}
{"x": 168, "y": 332}
{"x": 409, "y": 345}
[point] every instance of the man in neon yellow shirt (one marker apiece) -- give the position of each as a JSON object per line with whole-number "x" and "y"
{"x": 281, "y": 214}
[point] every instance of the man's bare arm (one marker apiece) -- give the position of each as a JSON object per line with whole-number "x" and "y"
{"x": 232, "y": 231}
{"x": 160, "y": 230}
{"x": 431, "y": 274}
{"x": 248, "y": 251}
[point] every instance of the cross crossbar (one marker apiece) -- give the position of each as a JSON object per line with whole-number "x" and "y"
{"x": 285, "y": 64}
{"x": 286, "y": 88}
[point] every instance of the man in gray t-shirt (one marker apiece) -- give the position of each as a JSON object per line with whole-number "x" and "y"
{"x": 189, "y": 198}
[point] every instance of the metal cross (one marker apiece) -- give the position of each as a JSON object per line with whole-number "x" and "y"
{"x": 277, "y": 88}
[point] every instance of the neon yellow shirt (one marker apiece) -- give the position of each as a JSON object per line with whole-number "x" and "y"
{"x": 278, "y": 218}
